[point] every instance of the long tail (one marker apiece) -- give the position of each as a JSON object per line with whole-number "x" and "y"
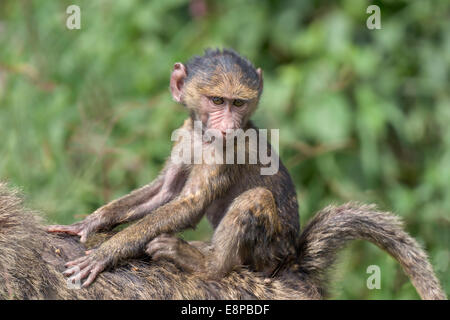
{"x": 333, "y": 227}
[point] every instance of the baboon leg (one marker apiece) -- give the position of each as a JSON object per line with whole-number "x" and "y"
{"x": 246, "y": 236}
{"x": 203, "y": 247}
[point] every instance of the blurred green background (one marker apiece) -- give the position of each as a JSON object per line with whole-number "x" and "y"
{"x": 86, "y": 115}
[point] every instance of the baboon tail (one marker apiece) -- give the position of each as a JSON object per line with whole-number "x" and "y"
{"x": 333, "y": 227}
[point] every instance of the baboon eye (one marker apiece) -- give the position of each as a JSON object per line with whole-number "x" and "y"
{"x": 217, "y": 100}
{"x": 238, "y": 102}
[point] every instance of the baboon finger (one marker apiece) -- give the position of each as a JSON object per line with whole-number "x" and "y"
{"x": 76, "y": 261}
{"x": 70, "y": 271}
{"x": 73, "y": 230}
{"x": 83, "y": 235}
{"x": 84, "y": 273}
{"x": 153, "y": 247}
{"x": 163, "y": 254}
{"x": 93, "y": 274}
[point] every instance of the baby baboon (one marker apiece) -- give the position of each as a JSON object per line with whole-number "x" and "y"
{"x": 255, "y": 216}
{"x": 31, "y": 261}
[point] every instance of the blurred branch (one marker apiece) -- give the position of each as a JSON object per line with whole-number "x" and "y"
{"x": 30, "y": 73}
{"x": 346, "y": 77}
{"x": 307, "y": 151}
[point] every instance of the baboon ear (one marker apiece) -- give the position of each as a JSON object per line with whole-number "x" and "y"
{"x": 261, "y": 80}
{"x": 177, "y": 81}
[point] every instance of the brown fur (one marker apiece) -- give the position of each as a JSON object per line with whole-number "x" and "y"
{"x": 333, "y": 227}
{"x": 31, "y": 261}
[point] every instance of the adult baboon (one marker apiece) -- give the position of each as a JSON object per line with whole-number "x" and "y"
{"x": 32, "y": 261}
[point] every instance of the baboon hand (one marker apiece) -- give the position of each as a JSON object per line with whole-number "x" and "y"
{"x": 88, "y": 266}
{"x": 82, "y": 229}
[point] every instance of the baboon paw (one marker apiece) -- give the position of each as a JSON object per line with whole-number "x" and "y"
{"x": 163, "y": 247}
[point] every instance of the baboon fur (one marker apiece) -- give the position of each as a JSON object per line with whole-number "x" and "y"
{"x": 32, "y": 261}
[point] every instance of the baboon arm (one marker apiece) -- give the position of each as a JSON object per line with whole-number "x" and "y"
{"x": 111, "y": 214}
{"x": 182, "y": 212}
{"x": 118, "y": 210}
{"x": 170, "y": 186}
{"x": 130, "y": 207}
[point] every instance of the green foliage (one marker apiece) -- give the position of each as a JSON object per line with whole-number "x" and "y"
{"x": 86, "y": 115}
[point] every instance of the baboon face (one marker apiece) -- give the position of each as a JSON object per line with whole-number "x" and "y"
{"x": 221, "y": 89}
